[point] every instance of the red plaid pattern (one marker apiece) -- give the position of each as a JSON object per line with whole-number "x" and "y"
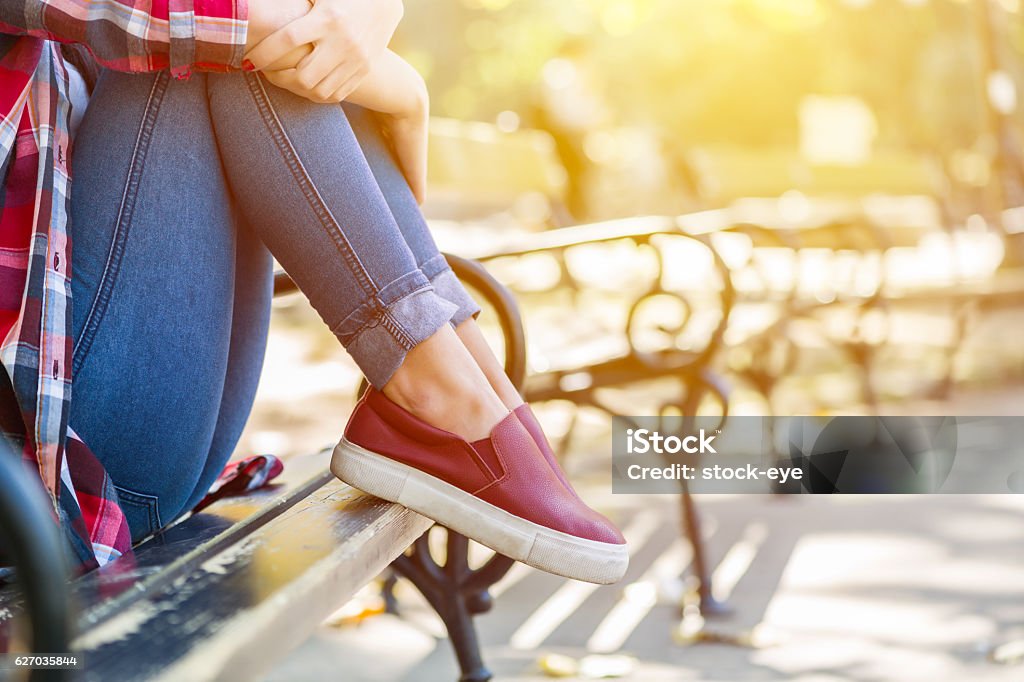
{"x": 139, "y": 35}
{"x": 35, "y": 245}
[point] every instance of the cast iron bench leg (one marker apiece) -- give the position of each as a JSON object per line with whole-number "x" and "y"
{"x": 457, "y": 593}
{"x": 708, "y": 605}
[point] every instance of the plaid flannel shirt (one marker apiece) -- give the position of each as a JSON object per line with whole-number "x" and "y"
{"x": 35, "y": 244}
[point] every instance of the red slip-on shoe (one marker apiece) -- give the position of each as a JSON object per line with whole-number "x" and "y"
{"x": 499, "y": 491}
{"x": 525, "y": 414}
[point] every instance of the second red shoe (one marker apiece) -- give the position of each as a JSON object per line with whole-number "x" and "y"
{"x": 499, "y": 491}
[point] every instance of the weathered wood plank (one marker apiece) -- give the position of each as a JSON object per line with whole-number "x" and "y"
{"x": 230, "y": 611}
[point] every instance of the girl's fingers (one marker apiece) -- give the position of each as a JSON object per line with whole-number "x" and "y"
{"x": 315, "y": 67}
{"x": 292, "y": 59}
{"x": 333, "y": 83}
{"x": 278, "y": 44}
{"x": 288, "y": 80}
{"x": 348, "y": 87}
{"x": 282, "y": 79}
{"x": 291, "y": 80}
{"x": 330, "y": 86}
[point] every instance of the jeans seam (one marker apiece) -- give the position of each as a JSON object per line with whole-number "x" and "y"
{"x": 392, "y": 324}
{"x": 122, "y": 225}
{"x": 309, "y": 191}
{"x": 150, "y": 502}
{"x": 384, "y": 318}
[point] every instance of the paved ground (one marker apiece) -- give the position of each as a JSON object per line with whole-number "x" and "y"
{"x": 858, "y": 588}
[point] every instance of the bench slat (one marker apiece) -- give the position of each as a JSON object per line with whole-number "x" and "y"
{"x": 105, "y": 591}
{"x": 232, "y": 609}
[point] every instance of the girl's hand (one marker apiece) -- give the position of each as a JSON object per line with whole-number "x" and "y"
{"x": 268, "y": 16}
{"x": 327, "y": 52}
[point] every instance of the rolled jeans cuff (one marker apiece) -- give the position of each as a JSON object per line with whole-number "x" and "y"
{"x": 380, "y": 334}
{"x": 448, "y": 287}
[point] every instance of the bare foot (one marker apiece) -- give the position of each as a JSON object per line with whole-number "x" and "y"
{"x": 471, "y": 336}
{"x": 441, "y": 383}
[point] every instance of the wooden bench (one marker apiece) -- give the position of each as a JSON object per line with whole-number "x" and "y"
{"x": 225, "y": 593}
{"x": 229, "y": 591}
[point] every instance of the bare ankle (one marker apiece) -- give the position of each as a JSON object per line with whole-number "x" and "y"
{"x": 454, "y": 405}
{"x": 473, "y": 339}
{"x": 440, "y": 383}
{"x": 414, "y": 397}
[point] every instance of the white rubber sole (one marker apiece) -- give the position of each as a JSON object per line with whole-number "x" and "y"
{"x": 538, "y": 546}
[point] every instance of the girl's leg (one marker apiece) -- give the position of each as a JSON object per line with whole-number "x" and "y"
{"x": 136, "y": 235}
{"x": 329, "y": 225}
{"x": 417, "y": 235}
{"x": 171, "y": 301}
{"x": 301, "y": 181}
{"x": 250, "y": 322}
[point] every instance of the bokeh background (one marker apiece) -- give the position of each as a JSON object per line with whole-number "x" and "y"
{"x": 706, "y": 206}
{"x": 633, "y": 90}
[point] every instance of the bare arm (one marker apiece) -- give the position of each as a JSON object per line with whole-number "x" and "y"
{"x": 393, "y": 88}
{"x": 397, "y": 91}
{"x": 389, "y": 86}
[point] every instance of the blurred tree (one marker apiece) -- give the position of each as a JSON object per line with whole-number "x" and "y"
{"x": 707, "y": 72}
{"x": 724, "y": 70}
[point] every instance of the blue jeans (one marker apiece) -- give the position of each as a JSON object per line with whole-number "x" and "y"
{"x": 183, "y": 190}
